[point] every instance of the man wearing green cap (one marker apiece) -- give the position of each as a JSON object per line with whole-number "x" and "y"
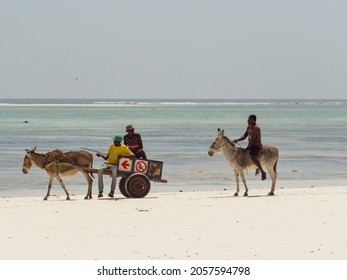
{"x": 114, "y": 151}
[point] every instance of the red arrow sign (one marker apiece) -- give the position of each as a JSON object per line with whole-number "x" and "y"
{"x": 125, "y": 164}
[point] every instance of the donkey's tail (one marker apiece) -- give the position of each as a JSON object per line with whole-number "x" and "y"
{"x": 275, "y": 166}
{"x": 90, "y": 172}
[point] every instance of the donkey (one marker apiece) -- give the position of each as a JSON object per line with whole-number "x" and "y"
{"x": 57, "y": 163}
{"x": 238, "y": 160}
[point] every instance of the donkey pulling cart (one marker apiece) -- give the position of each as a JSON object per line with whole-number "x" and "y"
{"x": 136, "y": 174}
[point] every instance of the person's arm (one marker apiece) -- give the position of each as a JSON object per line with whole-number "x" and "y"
{"x": 243, "y": 137}
{"x": 126, "y": 151}
{"x": 104, "y": 156}
{"x": 140, "y": 143}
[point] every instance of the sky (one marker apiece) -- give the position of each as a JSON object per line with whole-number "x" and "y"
{"x": 166, "y": 49}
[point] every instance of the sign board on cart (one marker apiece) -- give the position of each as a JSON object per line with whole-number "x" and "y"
{"x": 151, "y": 168}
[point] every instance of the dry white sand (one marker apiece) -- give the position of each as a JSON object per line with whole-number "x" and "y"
{"x": 295, "y": 224}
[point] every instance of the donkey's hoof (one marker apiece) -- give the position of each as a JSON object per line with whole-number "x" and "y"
{"x": 68, "y": 198}
{"x": 236, "y": 194}
{"x": 271, "y": 193}
{"x": 45, "y": 198}
{"x": 246, "y": 194}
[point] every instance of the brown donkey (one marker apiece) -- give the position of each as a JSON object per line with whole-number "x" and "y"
{"x": 57, "y": 163}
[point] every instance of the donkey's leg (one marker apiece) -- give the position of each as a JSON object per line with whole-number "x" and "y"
{"x": 50, "y": 183}
{"x": 273, "y": 179}
{"x": 244, "y": 182}
{"x": 63, "y": 186}
{"x": 237, "y": 180}
{"x": 90, "y": 184}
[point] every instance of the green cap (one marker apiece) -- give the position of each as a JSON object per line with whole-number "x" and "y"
{"x": 118, "y": 138}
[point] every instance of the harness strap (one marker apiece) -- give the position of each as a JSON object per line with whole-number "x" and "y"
{"x": 54, "y": 155}
{"x": 221, "y": 146}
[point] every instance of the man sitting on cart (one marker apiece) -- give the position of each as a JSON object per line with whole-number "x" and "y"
{"x": 134, "y": 142}
{"x": 114, "y": 151}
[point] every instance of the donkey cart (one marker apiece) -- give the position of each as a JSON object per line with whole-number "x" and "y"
{"x": 136, "y": 175}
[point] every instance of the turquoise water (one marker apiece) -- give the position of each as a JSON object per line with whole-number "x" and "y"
{"x": 311, "y": 136}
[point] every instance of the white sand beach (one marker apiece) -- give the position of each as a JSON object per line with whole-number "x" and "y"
{"x": 295, "y": 224}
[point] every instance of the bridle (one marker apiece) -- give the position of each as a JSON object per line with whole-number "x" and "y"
{"x": 212, "y": 146}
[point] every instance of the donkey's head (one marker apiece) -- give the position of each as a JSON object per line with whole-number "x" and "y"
{"x": 28, "y": 162}
{"x": 217, "y": 143}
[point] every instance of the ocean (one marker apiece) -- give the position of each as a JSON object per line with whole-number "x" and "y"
{"x": 311, "y": 136}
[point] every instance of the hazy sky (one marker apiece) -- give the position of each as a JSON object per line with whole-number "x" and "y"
{"x": 173, "y": 49}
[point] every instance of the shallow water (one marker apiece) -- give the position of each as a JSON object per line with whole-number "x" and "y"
{"x": 311, "y": 136}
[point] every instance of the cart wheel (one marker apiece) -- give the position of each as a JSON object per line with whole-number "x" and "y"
{"x": 138, "y": 185}
{"x": 122, "y": 188}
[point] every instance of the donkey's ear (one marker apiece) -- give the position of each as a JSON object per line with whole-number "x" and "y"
{"x": 222, "y": 132}
{"x": 218, "y": 130}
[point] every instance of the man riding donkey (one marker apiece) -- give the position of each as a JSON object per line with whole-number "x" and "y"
{"x": 253, "y": 132}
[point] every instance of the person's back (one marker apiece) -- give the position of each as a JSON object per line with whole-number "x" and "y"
{"x": 115, "y": 151}
{"x": 254, "y": 135}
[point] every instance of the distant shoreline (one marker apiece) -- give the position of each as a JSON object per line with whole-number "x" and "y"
{"x": 164, "y": 102}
